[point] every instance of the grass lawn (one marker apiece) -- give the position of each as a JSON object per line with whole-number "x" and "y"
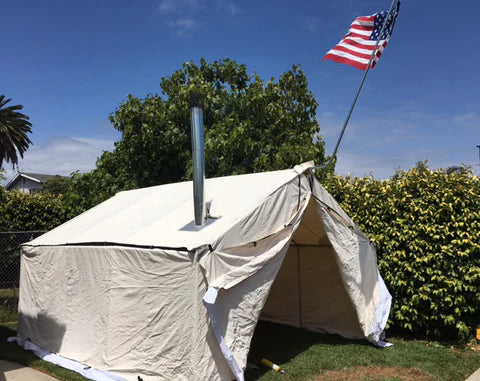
{"x": 8, "y": 304}
{"x": 313, "y": 357}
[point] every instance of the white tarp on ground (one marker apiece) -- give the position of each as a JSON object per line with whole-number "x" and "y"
{"x": 123, "y": 287}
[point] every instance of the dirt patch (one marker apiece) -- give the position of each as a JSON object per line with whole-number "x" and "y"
{"x": 366, "y": 373}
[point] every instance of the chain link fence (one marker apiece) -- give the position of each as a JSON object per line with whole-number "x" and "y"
{"x": 10, "y": 271}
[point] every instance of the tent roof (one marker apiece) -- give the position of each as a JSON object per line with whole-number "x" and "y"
{"x": 162, "y": 216}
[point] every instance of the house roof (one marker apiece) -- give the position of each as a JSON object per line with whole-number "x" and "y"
{"x": 37, "y": 177}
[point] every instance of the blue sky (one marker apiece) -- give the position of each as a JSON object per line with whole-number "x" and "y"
{"x": 71, "y": 63}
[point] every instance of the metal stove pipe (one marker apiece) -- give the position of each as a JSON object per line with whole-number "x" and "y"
{"x": 198, "y": 156}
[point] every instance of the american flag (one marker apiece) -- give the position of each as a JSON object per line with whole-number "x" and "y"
{"x": 355, "y": 49}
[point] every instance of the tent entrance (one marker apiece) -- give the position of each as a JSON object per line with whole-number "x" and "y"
{"x": 308, "y": 291}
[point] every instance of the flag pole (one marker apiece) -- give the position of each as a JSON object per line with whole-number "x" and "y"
{"x": 359, "y": 89}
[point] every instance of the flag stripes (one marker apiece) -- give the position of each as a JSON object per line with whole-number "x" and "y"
{"x": 356, "y": 48}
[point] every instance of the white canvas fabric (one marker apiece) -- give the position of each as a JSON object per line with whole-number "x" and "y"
{"x": 123, "y": 287}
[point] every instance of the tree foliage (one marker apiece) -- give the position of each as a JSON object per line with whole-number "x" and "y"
{"x": 21, "y": 212}
{"x": 14, "y": 127}
{"x": 57, "y": 185}
{"x": 426, "y": 225}
{"x": 250, "y": 126}
{"x": 41, "y": 211}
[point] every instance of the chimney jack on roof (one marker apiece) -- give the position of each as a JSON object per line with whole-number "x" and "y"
{"x": 198, "y": 156}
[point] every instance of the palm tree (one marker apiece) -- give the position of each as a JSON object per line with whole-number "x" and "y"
{"x": 14, "y": 127}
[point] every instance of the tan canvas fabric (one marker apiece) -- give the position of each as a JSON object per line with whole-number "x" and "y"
{"x": 127, "y": 311}
{"x": 122, "y": 287}
{"x": 162, "y": 216}
{"x": 357, "y": 263}
{"x": 309, "y": 292}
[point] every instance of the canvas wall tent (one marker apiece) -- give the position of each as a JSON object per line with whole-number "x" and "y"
{"x": 133, "y": 288}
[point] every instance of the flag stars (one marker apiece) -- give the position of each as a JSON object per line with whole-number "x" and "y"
{"x": 347, "y": 50}
{"x": 380, "y": 19}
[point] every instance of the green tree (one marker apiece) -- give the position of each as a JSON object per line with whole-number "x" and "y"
{"x": 57, "y": 185}
{"x": 14, "y": 127}
{"x": 250, "y": 126}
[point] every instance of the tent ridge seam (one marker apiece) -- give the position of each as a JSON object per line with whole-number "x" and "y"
{"x": 113, "y": 244}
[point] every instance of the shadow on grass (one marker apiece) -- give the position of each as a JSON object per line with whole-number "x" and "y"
{"x": 8, "y": 308}
{"x": 281, "y": 343}
{"x": 42, "y": 327}
{"x": 15, "y": 353}
{"x": 12, "y": 351}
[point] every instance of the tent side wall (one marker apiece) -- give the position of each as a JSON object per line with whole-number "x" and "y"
{"x": 131, "y": 312}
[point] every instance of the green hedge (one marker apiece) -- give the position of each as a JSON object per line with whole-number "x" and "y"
{"x": 426, "y": 225}
{"x": 23, "y": 212}
{"x": 41, "y": 211}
